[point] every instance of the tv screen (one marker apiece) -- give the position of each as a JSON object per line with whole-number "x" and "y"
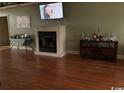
{"x": 51, "y": 11}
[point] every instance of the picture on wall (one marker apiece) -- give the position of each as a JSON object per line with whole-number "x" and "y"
{"x": 23, "y": 21}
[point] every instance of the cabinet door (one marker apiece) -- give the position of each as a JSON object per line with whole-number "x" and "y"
{"x": 108, "y": 53}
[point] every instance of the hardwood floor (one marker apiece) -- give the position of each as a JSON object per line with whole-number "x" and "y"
{"x": 21, "y": 70}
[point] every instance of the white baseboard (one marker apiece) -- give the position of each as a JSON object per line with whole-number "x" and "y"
{"x": 120, "y": 56}
{"x": 68, "y": 52}
{"x": 77, "y": 52}
{"x": 22, "y": 47}
{"x": 73, "y": 52}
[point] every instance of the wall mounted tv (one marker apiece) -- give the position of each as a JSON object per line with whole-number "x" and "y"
{"x": 51, "y": 11}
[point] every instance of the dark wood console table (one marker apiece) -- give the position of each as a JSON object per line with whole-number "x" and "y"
{"x": 99, "y": 49}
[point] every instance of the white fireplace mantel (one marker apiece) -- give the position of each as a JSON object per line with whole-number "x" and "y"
{"x": 60, "y": 33}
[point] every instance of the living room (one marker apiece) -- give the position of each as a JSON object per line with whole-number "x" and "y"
{"x": 64, "y": 68}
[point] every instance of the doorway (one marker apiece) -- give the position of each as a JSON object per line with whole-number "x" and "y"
{"x": 4, "y": 33}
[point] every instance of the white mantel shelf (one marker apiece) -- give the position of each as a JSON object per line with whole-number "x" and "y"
{"x": 60, "y": 33}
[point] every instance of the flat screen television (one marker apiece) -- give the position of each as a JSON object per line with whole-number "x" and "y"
{"x": 51, "y": 11}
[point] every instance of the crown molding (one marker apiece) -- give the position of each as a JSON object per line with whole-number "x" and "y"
{"x": 17, "y": 5}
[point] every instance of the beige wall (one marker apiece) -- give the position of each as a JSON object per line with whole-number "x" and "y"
{"x": 4, "y": 34}
{"x": 87, "y": 17}
{"x": 78, "y": 18}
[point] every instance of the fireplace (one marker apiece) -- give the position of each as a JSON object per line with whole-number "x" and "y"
{"x": 50, "y": 41}
{"x": 47, "y": 42}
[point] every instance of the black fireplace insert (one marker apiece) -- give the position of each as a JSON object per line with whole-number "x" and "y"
{"x": 47, "y": 42}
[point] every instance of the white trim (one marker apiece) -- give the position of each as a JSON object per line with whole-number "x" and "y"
{"x": 63, "y": 54}
{"x": 73, "y": 52}
{"x": 120, "y": 56}
{"x": 22, "y": 47}
{"x": 77, "y": 52}
{"x": 50, "y": 54}
{"x": 16, "y": 5}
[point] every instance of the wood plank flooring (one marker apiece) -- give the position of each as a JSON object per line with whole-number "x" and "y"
{"x": 21, "y": 70}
